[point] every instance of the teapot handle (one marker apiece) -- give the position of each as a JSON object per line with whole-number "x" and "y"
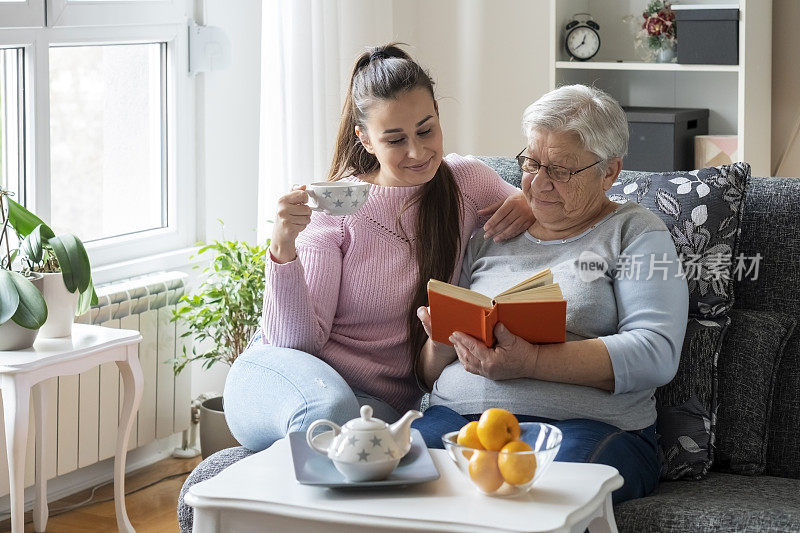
{"x": 310, "y": 433}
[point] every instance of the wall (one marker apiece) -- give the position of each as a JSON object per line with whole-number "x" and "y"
{"x": 785, "y": 87}
{"x": 489, "y": 61}
{"x": 227, "y": 143}
{"x": 228, "y": 124}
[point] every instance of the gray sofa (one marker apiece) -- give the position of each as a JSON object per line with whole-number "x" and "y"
{"x": 769, "y": 501}
{"x": 722, "y": 501}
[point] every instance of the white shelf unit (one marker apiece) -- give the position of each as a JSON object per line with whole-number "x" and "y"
{"x": 738, "y": 97}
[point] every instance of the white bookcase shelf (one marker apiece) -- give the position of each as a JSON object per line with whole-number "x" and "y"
{"x": 641, "y": 66}
{"x": 738, "y": 97}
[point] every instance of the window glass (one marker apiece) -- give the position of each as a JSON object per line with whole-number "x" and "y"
{"x": 11, "y": 119}
{"x": 106, "y": 131}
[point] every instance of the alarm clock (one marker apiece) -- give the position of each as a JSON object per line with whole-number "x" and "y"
{"x": 582, "y": 39}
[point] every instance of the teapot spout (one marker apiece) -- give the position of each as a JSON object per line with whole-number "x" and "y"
{"x": 401, "y": 430}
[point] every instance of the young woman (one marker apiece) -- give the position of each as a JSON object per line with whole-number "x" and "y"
{"x": 340, "y": 327}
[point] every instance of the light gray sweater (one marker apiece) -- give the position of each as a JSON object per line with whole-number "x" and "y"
{"x": 623, "y": 284}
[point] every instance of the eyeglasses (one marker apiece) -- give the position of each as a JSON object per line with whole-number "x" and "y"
{"x": 556, "y": 173}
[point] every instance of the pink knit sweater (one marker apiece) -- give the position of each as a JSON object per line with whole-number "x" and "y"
{"x": 346, "y": 297}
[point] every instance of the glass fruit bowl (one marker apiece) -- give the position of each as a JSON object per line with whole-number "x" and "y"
{"x": 507, "y": 473}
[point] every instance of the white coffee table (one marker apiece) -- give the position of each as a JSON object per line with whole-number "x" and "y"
{"x": 260, "y": 493}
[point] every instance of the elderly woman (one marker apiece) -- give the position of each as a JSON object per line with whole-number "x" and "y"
{"x": 625, "y": 325}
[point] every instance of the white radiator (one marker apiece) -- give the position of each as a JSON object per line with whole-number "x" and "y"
{"x": 84, "y": 409}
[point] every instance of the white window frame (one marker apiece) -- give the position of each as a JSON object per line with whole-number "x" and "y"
{"x": 13, "y": 152}
{"x": 26, "y": 14}
{"x": 63, "y": 13}
{"x": 180, "y": 230}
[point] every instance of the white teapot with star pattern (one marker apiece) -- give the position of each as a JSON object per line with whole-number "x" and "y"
{"x": 365, "y": 448}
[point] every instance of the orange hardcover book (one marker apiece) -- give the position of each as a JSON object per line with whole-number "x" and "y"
{"x": 533, "y": 309}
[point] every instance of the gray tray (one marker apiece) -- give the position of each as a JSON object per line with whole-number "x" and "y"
{"x": 313, "y": 468}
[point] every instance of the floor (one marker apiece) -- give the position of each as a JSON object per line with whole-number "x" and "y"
{"x": 150, "y": 509}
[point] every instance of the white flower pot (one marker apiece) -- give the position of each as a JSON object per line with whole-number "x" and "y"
{"x": 15, "y": 337}
{"x": 61, "y": 305}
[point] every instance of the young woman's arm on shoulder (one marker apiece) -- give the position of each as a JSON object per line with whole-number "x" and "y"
{"x": 509, "y": 217}
{"x": 499, "y": 207}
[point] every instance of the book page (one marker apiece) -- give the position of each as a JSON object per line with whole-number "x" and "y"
{"x": 551, "y": 292}
{"x": 544, "y": 277}
{"x": 460, "y": 293}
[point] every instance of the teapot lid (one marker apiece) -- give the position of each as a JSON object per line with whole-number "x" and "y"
{"x": 366, "y": 421}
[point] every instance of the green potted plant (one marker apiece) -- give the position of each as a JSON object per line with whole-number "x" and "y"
{"x": 64, "y": 265}
{"x": 221, "y": 316}
{"x": 22, "y": 308}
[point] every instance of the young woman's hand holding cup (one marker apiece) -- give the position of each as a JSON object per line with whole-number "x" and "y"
{"x": 292, "y": 217}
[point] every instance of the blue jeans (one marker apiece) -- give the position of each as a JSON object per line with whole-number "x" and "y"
{"x": 270, "y": 392}
{"x": 633, "y": 453}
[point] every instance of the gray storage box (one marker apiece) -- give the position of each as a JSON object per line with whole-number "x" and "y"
{"x": 708, "y": 36}
{"x": 662, "y": 138}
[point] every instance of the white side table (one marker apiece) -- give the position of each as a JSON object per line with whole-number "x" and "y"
{"x": 261, "y": 491}
{"x": 21, "y": 370}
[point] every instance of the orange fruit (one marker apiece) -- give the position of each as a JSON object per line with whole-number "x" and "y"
{"x": 516, "y": 469}
{"x": 496, "y": 428}
{"x": 468, "y": 436}
{"x": 484, "y": 472}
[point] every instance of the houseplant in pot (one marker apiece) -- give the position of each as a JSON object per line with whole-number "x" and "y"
{"x": 22, "y": 307}
{"x": 221, "y": 317}
{"x": 64, "y": 265}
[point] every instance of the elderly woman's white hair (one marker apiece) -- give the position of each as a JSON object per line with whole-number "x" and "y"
{"x": 592, "y": 115}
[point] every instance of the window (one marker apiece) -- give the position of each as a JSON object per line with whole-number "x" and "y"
{"x": 106, "y": 133}
{"x": 11, "y": 119}
{"x": 96, "y": 108}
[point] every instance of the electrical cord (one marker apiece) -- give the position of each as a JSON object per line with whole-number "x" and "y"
{"x": 88, "y": 501}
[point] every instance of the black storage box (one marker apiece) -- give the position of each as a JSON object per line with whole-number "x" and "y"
{"x": 662, "y": 138}
{"x": 707, "y": 36}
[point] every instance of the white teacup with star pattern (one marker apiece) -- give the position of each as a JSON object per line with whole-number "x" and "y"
{"x": 338, "y": 198}
{"x": 365, "y": 448}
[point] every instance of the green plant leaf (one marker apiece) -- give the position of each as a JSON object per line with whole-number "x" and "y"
{"x": 32, "y": 310}
{"x": 22, "y": 220}
{"x": 73, "y": 260}
{"x": 9, "y": 297}
{"x": 225, "y": 310}
{"x": 32, "y": 245}
{"x": 86, "y": 299}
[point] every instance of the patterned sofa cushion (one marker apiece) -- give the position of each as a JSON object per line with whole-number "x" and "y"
{"x": 718, "y": 503}
{"x": 747, "y": 371}
{"x": 703, "y": 211}
{"x": 687, "y": 405}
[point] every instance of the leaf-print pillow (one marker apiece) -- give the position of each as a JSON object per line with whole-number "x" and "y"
{"x": 687, "y": 406}
{"x": 703, "y": 211}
